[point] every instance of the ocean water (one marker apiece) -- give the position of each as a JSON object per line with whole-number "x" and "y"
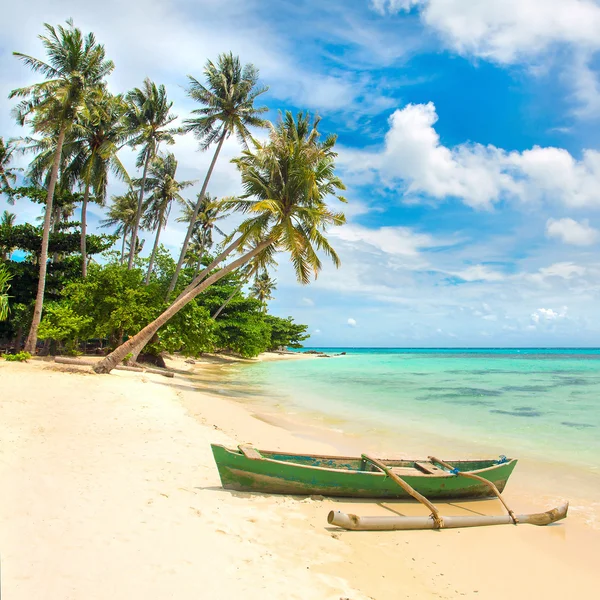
{"x": 531, "y": 403}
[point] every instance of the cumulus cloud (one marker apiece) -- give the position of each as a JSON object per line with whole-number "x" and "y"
{"x": 572, "y": 232}
{"x": 476, "y": 174}
{"x": 515, "y": 31}
{"x": 352, "y": 322}
{"x": 508, "y": 30}
{"x": 547, "y": 314}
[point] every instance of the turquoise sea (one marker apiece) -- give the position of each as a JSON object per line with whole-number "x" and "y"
{"x": 532, "y": 403}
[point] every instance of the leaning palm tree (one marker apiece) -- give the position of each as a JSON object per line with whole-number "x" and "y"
{"x": 228, "y": 109}
{"x": 165, "y": 188}
{"x": 262, "y": 288}
{"x": 98, "y": 135}
{"x": 207, "y": 214}
{"x": 287, "y": 182}
{"x": 74, "y": 74}
{"x": 7, "y": 173}
{"x": 148, "y": 118}
{"x": 121, "y": 214}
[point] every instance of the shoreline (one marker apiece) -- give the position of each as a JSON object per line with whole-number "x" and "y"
{"x": 116, "y": 492}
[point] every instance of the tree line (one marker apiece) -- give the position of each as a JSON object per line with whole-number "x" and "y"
{"x": 78, "y": 129}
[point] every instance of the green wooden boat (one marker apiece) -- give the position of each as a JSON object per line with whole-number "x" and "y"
{"x": 250, "y": 470}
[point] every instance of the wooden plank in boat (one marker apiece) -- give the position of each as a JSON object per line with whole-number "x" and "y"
{"x": 402, "y": 471}
{"x": 250, "y": 452}
{"x": 428, "y": 468}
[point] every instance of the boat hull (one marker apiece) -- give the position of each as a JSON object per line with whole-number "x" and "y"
{"x": 276, "y": 476}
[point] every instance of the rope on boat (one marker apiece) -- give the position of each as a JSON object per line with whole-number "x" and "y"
{"x": 438, "y": 521}
{"x": 494, "y": 489}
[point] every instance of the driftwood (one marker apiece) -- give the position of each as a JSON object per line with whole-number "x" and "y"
{"x": 492, "y": 487}
{"x": 435, "y": 514}
{"x": 74, "y": 361}
{"x": 356, "y": 523}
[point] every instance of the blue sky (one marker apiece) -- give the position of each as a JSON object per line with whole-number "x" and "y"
{"x": 468, "y": 139}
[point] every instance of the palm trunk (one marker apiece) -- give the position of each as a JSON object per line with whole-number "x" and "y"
{"x": 229, "y": 299}
{"x": 86, "y": 197}
{"x": 190, "y": 230}
{"x": 31, "y": 342}
{"x": 198, "y": 265}
{"x": 138, "y": 215}
{"x": 153, "y": 255}
{"x": 123, "y": 246}
{"x": 140, "y": 339}
{"x": 189, "y": 288}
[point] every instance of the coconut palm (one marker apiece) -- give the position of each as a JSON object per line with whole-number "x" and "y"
{"x": 97, "y": 137}
{"x": 7, "y": 173}
{"x": 7, "y": 222}
{"x": 262, "y": 287}
{"x": 74, "y": 74}
{"x": 227, "y": 109}
{"x": 165, "y": 188}
{"x": 5, "y": 278}
{"x": 122, "y": 214}
{"x": 287, "y": 182}
{"x": 209, "y": 212}
{"x": 148, "y": 118}
{"x": 260, "y": 261}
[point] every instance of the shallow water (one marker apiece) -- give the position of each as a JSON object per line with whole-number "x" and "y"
{"x": 537, "y": 403}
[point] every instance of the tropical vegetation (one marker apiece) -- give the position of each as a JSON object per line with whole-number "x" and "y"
{"x": 79, "y": 292}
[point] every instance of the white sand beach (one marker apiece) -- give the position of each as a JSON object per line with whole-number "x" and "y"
{"x": 109, "y": 490}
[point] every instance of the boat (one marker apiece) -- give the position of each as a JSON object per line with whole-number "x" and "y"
{"x": 274, "y": 472}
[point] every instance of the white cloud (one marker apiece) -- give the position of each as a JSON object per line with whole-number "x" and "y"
{"x": 401, "y": 241}
{"x": 352, "y": 322}
{"x": 565, "y": 270}
{"x": 316, "y": 332}
{"x": 307, "y": 302}
{"x": 508, "y": 30}
{"x": 512, "y": 31}
{"x": 479, "y": 273}
{"x": 547, "y": 314}
{"x": 478, "y": 175}
{"x": 572, "y": 232}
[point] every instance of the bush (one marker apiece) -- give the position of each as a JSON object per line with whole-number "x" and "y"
{"x": 18, "y": 357}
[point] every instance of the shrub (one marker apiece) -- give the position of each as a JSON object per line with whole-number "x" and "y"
{"x": 18, "y": 357}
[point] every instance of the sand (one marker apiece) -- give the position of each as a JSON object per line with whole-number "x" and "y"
{"x": 109, "y": 490}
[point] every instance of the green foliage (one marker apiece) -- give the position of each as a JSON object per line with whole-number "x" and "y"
{"x": 284, "y": 332}
{"x": 5, "y": 278}
{"x": 62, "y": 324}
{"x": 18, "y": 357}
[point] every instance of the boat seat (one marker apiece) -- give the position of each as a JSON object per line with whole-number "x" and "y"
{"x": 250, "y": 452}
{"x": 428, "y": 468}
{"x": 403, "y": 471}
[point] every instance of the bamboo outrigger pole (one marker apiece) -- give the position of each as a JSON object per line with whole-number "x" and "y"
{"x": 356, "y": 523}
{"x": 438, "y": 521}
{"x": 492, "y": 487}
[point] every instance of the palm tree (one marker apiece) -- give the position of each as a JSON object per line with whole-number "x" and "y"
{"x": 209, "y": 212}
{"x": 228, "y": 108}
{"x": 7, "y": 222}
{"x": 122, "y": 214}
{"x": 5, "y": 278}
{"x": 98, "y": 136}
{"x": 7, "y": 174}
{"x": 148, "y": 118}
{"x": 287, "y": 182}
{"x": 262, "y": 287}
{"x": 165, "y": 189}
{"x": 74, "y": 73}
